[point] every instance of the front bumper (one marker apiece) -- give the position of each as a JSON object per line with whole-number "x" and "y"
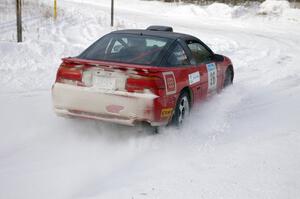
{"x": 111, "y": 106}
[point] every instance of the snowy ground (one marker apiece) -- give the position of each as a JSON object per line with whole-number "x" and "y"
{"x": 242, "y": 143}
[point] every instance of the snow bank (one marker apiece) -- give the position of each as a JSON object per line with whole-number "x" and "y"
{"x": 274, "y": 7}
{"x": 215, "y": 10}
{"x": 219, "y": 10}
{"x": 186, "y": 10}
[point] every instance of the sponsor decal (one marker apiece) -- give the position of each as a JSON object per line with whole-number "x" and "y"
{"x": 114, "y": 108}
{"x": 166, "y": 112}
{"x": 170, "y": 82}
{"x": 194, "y": 77}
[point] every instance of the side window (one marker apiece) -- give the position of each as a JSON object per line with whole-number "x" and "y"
{"x": 178, "y": 57}
{"x": 199, "y": 52}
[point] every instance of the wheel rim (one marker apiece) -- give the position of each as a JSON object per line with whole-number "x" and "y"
{"x": 184, "y": 109}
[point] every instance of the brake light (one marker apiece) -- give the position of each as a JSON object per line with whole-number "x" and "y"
{"x": 139, "y": 84}
{"x": 69, "y": 74}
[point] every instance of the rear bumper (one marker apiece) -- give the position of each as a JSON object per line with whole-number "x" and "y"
{"x": 111, "y": 106}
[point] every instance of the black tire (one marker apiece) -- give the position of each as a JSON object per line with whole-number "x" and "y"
{"x": 228, "y": 77}
{"x": 182, "y": 109}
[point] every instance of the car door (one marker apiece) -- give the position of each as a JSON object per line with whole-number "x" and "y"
{"x": 203, "y": 59}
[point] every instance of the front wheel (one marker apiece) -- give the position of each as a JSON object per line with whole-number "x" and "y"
{"x": 182, "y": 109}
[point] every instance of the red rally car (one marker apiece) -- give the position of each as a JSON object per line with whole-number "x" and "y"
{"x": 132, "y": 76}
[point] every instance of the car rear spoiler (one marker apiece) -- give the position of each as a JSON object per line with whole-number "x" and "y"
{"x": 160, "y": 28}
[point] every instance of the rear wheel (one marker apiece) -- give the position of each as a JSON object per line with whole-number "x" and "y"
{"x": 182, "y": 109}
{"x": 228, "y": 77}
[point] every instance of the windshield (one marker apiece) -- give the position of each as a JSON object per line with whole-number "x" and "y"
{"x": 128, "y": 48}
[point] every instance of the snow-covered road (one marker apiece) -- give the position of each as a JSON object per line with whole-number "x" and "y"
{"x": 241, "y": 143}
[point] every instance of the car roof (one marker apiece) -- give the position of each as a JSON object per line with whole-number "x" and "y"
{"x": 165, "y": 34}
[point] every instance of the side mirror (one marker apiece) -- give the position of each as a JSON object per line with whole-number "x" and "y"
{"x": 218, "y": 58}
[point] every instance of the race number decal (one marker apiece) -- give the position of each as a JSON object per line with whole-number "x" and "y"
{"x": 194, "y": 78}
{"x": 212, "y": 76}
{"x": 170, "y": 82}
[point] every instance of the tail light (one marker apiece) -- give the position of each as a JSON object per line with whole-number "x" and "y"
{"x": 139, "y": 84}
{"x": 70, "y": 74}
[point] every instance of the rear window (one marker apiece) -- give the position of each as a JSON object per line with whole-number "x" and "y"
{"x": 127, "y": 48}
